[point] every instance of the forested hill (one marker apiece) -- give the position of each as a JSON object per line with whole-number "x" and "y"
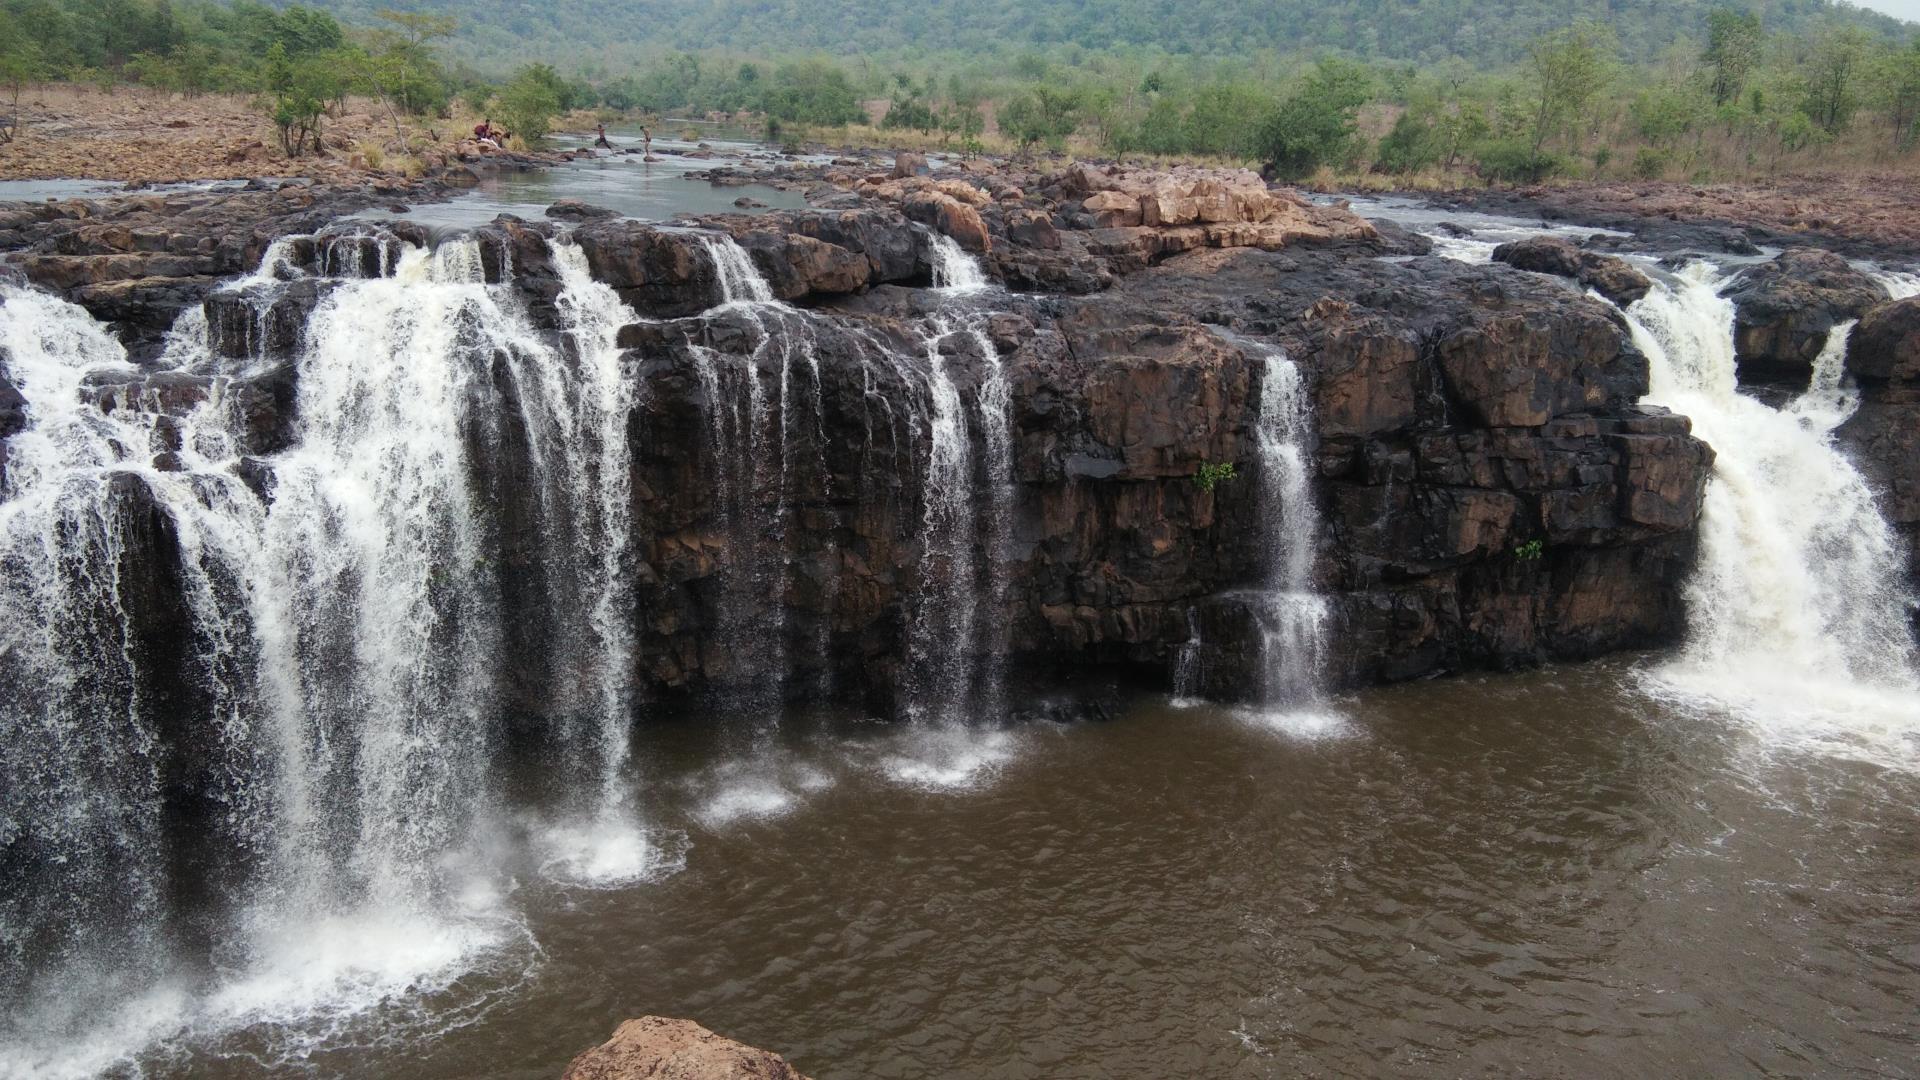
{"x": 496, "y": 32}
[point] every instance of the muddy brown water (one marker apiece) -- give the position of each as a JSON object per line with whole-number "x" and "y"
{"x": 1544, "y": 875}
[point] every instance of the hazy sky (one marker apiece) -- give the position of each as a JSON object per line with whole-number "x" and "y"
{"x": 1905, "y": 9}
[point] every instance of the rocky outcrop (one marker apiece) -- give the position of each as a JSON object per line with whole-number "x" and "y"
{"x": 1491, "y": 494}
{"x": 1784, "y": 311}
{"x": 661, "y": 1048}
{"x": 1608, "y": 275}
{"x": 136, "y": 262}
{"x": 807, "y": 254}
{"x": 1883, "y": 435}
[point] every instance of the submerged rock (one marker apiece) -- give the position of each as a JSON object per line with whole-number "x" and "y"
{"x": 661, "y": 1048}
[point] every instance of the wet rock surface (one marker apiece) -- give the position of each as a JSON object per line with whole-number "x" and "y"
{"x": 1863, "y": 217}
{"x": 1785, "y": 309}
{"x": 1883, "y": 435}
{"x": 1491, "y": 494}
{"x": 1610, "y": 276}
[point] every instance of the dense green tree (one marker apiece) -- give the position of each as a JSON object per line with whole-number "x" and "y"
{"x": 1415, "y": 143}
{"x": 1898, "y": 80}
{"x": 1317, "y": 123}
{"x": 1733, "y": 47}
{"x": 528, "y": 103}
{"x": 1044, "y": 114}
{"x": 1829, "y": 91}
{"x": 1566, "y": 70}
{"x": 20, "y": 63}
{"x": 812, "y": 92}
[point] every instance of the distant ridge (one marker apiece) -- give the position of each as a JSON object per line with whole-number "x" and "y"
{"x": 578, "y": 33}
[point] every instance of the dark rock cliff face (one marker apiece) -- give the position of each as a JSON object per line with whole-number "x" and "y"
{"x": 1883, "y": 436}
{"x": 1490, "y": 494}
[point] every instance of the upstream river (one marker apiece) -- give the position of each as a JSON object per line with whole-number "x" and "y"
{"x": 1548, "y": 874}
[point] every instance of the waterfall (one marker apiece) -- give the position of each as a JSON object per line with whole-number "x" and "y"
{"x": 967, "y": 510}
{"x": 1292, "y": 616}
{"x": 733, "y": 269}
{"x": 292, "y": 810}
{"x": 749, "y": 436}
{"x": 586, "y": 405}
{"x": 954, "y": 271}
{"x": 1187, "y": 674}
{"x": 1796, "y": 608}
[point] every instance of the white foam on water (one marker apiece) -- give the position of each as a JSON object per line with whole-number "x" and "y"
{"x": 766, "y": 783}
{"x": 1797, "y": 608}
{"x": 1298, "y": 724}
{"x": 947, "y": 757}
{"x": 606, "y": 852}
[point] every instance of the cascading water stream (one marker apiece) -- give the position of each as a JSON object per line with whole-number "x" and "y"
{"x": 1797, "y": 607}
{"x": 1291, "y": 614}
{"x": 329, "y": 697}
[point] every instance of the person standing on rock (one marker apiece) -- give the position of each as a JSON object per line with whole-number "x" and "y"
{"x": 602, "y": 142}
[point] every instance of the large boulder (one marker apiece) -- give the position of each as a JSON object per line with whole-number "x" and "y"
{"x": 662, "y": 1048}
{"x": 1885, "y": 347}
{"x": 1608, "y": 275}
{"x": 1785, "y": 310}
{"x": 907, "y": 163}
{"x": 952, "y": 216}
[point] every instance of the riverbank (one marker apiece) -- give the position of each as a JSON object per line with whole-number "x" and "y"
{"x": 143, "y": 136}
{"x": 1872, "y": 217}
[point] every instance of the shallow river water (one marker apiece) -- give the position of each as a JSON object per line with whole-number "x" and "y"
{"x": 1544, "y": 874}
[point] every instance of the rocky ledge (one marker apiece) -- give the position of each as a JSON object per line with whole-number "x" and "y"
{"x": 1491, "y": 494}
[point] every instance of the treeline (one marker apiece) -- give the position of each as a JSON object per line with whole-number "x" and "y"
{"x": 302, "y": 63}
{"x": 617, "y": 34}
{"x": 1733, "y": 95}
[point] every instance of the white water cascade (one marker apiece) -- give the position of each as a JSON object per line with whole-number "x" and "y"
{"x": 1292, "y": 616}
{"x": 335, "y": 697}
{"x": 955, "y": 273}
{"x": 1797, "y": 608}
{"x": 967, "y": 515}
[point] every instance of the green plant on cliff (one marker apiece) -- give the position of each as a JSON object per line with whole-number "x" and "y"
{"x": 1212, "y": 473}
{"x": 1529, "y": 551}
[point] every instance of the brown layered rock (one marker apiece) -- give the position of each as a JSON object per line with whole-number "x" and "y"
{"x": 662, "y": 1048}
{"x": 1784, "y": 311}
{"x": 1075, "y": 230}
{"x": 1608, "y": 275}
{"x": 955, "y": 217}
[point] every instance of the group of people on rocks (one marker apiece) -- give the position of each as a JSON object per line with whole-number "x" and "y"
{"x": 487, "y": 135}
